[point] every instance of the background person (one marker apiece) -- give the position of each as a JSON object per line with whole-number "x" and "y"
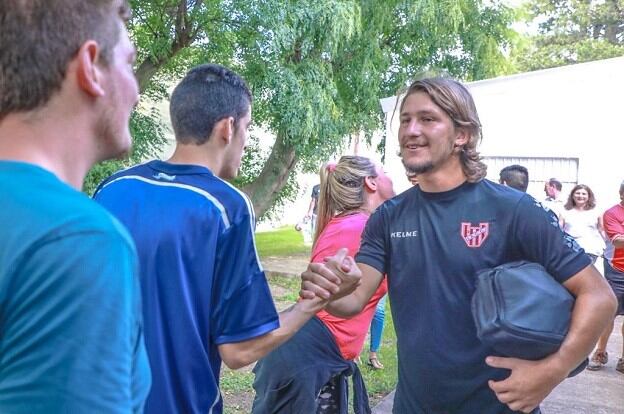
{"x": 581, "y": 220}
{"x": 376, "y": 333}
{"x": 307, "y": 225}
{"x": 306, "y": 374}
{"x": 515, "y": 176}
{"x": 552, "y": 189}
{"x": 71, "y": 327}
{"x": 613, "y": 220}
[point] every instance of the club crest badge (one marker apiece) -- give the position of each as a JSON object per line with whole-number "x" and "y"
{"x": 474, "y": 236}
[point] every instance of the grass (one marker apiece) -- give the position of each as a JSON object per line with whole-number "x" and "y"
{"x": 237, "y": 391}
{"x": 284, "y": 241}
{"x": 285, "y": 290}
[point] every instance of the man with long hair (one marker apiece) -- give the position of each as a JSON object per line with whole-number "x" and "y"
{"x": 433, "y": 239}
{"x": 71, "y": 324}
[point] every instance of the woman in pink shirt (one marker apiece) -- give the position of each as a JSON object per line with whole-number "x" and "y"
{"x": 308, "y": 380}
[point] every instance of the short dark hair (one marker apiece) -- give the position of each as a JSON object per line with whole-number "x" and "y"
{"x": 515, "y": 176}
{"x": 555, "y": 183}
{"x": 206, "y": 95}
{"x": 34, "y": 57}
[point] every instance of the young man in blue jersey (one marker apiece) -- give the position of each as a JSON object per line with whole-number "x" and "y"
{"x": 205, "y": 296}
{"x": 70, "y": 312}
{"x": 431, "y": 241}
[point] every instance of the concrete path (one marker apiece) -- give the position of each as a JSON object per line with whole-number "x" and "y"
{"x": 286, "y": 265}
{"x": 590, "y": 392}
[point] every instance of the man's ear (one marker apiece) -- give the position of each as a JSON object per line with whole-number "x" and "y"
{"x": 370, "y": 184}
{"x": 461, "y": 139}
{"x": 88, "y": 72}
{"x": 224, "y": 129}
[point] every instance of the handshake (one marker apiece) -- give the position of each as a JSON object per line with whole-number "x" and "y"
{"x": 336, "y": 277}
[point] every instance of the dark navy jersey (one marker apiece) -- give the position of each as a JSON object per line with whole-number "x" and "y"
{"x": 431, "y": 246}
{"x": 201, "y": 280}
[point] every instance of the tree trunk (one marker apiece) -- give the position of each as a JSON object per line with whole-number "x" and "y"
{"x": 145, "y": 72}
{"x": 273, "y": 176}
{"x": 611, "y": 33}
{"x": 185, "y": 34}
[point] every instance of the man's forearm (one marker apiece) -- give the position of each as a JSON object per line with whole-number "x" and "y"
{"x": 592, "y": 312}
{"x": 346, "y": 307}
{"x": 350, "y": 302}
{"x": 238, "y": 355}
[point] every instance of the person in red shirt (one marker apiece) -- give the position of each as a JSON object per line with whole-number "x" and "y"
{"x": 613, "y": 222}
{"x": 306, "y": 374}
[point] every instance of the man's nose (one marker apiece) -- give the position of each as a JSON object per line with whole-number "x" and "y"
{"x": 413, "y": 128}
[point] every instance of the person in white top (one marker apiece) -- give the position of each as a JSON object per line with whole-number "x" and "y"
{"x": 581, "y": 220}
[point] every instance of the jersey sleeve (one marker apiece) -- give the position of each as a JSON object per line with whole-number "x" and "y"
{"x": 538, "y": 238}
{"x": 76, "y": 321}
{"x": 373, "y": 250}
{"x": 244, "y": 307}
{"x": 612, "y": 226}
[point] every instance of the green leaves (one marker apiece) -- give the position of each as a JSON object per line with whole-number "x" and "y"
{"x": 316, "y": 68}
{"x": 570, "y": 31}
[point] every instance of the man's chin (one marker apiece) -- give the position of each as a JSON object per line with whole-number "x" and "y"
{"x": 417, "y": 168}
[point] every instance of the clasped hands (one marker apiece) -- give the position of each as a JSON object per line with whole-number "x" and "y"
{"x": 336, "y": 277}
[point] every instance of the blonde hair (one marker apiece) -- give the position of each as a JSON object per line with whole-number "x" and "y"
{"x": 342, "y": 188}
{"x": 456, "y": 101}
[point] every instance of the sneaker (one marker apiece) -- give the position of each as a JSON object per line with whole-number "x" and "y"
{"x": 620, "y": 365}
{"x": 598, "y": 360}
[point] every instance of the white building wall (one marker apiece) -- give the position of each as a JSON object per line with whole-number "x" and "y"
{"x": 569, "y": 112}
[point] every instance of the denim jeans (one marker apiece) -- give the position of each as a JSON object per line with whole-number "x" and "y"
{"x": 377, "y": 325}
